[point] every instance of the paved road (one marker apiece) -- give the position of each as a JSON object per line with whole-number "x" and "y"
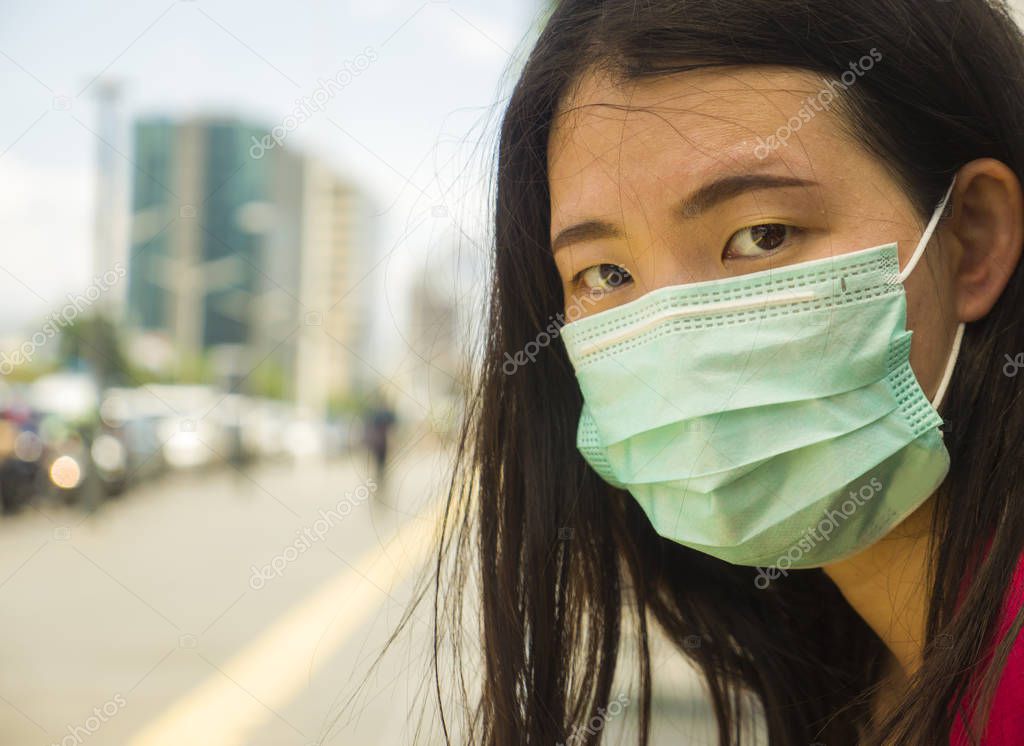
{"x": 146, "y": 624}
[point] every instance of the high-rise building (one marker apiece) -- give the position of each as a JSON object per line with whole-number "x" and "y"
{"x": 248, "y": 258}
{"x": 333, "y": 347}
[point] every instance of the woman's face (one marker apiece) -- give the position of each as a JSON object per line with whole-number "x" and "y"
{"x": 675, "y": 180}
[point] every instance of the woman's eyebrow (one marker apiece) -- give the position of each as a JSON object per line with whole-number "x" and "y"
{"x": 691, "y": 206}
{"x": 728, "y": 187}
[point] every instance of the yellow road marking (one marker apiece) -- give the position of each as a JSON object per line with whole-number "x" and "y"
{"x": 220, "y": 713}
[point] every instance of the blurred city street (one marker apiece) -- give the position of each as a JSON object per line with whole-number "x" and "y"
{"x": 149, "y": 608}
{"x": 179, "y": 614}
{"x": 246, "y": 265}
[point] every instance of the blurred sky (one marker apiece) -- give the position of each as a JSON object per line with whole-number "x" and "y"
{"x": 415, "y": 128}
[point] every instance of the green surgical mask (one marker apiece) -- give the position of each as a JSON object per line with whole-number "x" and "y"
{"x": 770, "y": 419}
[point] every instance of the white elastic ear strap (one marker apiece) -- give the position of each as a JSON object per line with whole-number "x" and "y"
{"x": 927, "y": 235}
{"x": 950, "y": 364}
{"x": 947, "y": 374}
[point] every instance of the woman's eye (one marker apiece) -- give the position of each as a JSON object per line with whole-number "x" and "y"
{"x": 758, "y": 240}
{"x": 603, "y": 277}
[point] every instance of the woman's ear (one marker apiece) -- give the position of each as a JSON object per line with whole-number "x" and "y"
{"x": 988, "y": 222}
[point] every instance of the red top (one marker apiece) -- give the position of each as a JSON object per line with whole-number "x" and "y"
{"x": 1006, "y": 719}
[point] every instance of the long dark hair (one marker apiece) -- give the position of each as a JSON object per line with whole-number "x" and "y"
{"x": 562, "y": 558}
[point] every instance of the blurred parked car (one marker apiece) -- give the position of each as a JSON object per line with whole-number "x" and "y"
{"x": 21, "y": 452}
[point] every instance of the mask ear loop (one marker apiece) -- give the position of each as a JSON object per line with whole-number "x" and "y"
{"x": 914, "y": 258}
{"x": 927, "y": 235}
{"x": 950, "y": 364}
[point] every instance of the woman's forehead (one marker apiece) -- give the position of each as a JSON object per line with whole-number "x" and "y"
{"x": 611, "y": 136}
{"x": 698, "y": 110}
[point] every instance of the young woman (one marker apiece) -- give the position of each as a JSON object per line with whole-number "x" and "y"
{"x": 750, "y": 371}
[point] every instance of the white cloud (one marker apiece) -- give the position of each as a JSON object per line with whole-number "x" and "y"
{"x": 478, "y": 37}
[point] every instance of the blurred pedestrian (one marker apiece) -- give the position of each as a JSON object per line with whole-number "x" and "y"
{"x": 378, "y": 419}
